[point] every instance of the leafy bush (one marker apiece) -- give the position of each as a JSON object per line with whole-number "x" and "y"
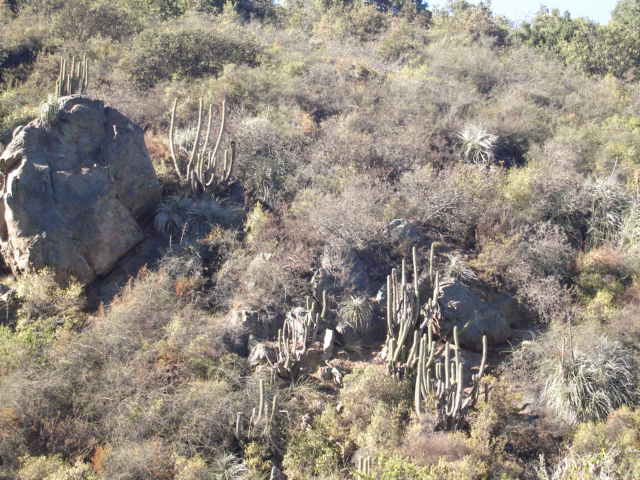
{"x": 184, "y": 53}
{"x": 603, "y": 270}
{"x": 41, "y": 296}
{"x": 600, "y": 450}
{"x": 53, "y": 468}
{"x": 311, "y": 454}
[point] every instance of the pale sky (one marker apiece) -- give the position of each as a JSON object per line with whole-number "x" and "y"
{"x": 519, "y": 10}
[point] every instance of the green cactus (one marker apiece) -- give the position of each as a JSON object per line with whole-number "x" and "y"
{"x": 364, "y": 466}
{"x": 202, "y": 171}
{"x": 73, "y": 77}
{"x": 442, "y": 380}
{"x": 293, "y": 343}
{"x": 404, "y": 310}
{"x": 49, "y": 111}
{"x": 262, "y": 420}
{"x": 357, "y": 312}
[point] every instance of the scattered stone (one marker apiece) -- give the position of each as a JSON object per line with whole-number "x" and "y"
{"x": 327, "y": 348}
{"x": 403, "y": 231}
{"x": 260, "y": 354}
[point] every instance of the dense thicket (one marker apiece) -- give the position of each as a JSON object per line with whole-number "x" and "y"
{"x": 514, "y": 149}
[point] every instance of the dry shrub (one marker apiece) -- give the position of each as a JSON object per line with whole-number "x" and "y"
{"x": 605, "y": 260}
{"x": 350, "y": 217}
{"x": 148, "y": 460}
{"x": 452, "y": 200}
{"x": 425, "y": 447}
{"x": 160, "y": 154}
{"x": 98, "y": 458}
{"x": 105, "y": 385}
{"x": 369, "y": 389}
{"x": 536, "y": 262}
{"x": 41, "y": 296}
{"x": 601, "y": 450}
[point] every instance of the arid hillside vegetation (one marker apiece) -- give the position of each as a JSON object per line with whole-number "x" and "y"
{"x": 393, "y": 242}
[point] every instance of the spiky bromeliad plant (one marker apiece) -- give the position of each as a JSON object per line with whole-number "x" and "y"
{"x": 478, "y": 145}
{"x": 587, "y": 386}
{"x": 357, "y": 312}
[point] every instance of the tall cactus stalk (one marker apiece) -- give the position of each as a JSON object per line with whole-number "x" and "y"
{"x": 442, "y": 381}
{"x": 403, "y": 313}
{"x": 202, "y": 170}
{"x": 410, "y": 347}
{"x": 294, "y": 340}
{"x": 262, "y": 420}
{"x": 364, "y": 466}
{"x": 73, "y": 77}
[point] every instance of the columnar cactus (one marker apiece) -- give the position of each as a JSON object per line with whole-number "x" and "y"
{"x": 440, "y": 377}
{"x": 73, "y": 77}
{"x": 262, "y": 418}
{"x": 403, "y": 313}
{"x": 364, "y": 466}
{"x": 410, "y": 347}
{"x": 293, "y": 340}
{"x": 202, "y": 170}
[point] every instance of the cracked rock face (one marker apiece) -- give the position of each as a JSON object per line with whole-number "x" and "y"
{"x": 73, "y": 192}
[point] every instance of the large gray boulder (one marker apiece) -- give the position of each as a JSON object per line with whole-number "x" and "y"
{"x": 477, "y": 313}
{"x": 74, "y": 191}
{"x": 342, "y": 269}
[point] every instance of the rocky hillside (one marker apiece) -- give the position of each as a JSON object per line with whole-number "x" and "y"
{"x": 317, "y": 240}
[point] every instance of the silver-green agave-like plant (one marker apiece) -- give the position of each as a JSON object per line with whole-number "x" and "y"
{"x": 478, "y": 145}
{"x": 357, "y": 312}
{"x": 587, "y": 386}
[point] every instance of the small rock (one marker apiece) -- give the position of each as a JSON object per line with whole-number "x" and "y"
{"x": 403, "y": 231}
{"x": 327, "y": 348}
{"x": 260, "y": 354}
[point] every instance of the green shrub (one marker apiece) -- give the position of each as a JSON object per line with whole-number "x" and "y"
{"x": 53, "y": 468}
{"x": 81, "y": 20}
{"x": 368, "y": 387}
{"x": 603, "y": 271}
{"x": 41, "y": 297}
{"x": 310, "y": 454}
{"x": 609, "y": 449}
{"x": 184, "y": 53}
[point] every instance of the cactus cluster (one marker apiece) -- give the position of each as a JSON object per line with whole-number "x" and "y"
{"x": 440, "y": 377}
{"x": 73, "y": 77}
{"x": 404, "y": 312}
{"x": 203, "y": 171}
{"x": 49, "y": 111}
{"x": 410, "y": 348}
{"x": 364, "y": 466}
{"x": 262, "y": 418}
{"x": 294, "y": 339}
